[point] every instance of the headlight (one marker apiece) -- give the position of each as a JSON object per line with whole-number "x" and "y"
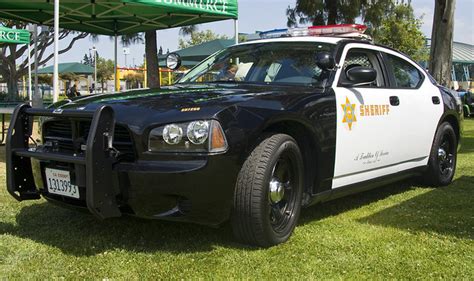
{"x": 172, "y": 134}
{"x": 198, "y": 131}
{"x": 202, "y": 136}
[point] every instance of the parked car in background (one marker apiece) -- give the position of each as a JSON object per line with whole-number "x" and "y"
{"x": 467, "y": 100}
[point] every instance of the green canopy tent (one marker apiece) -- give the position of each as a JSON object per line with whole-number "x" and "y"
{"x": 117, "y": 17}
{"x": 70, "y": 67}
{"x": 193, "y": 55}
{"x": 18, "y": 36}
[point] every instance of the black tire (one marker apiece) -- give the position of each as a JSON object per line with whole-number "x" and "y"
{"x": 260, "y": 217}
{"x": 443, "y": 156}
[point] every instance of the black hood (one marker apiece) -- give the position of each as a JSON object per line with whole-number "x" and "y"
{"x": 186, "y": 102}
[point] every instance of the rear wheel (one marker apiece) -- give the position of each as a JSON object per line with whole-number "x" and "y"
{"x": 442, "y": 162}
{"x": 267, "y": 199}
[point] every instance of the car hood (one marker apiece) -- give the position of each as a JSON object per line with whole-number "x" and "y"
{"x": 185, "y": 102}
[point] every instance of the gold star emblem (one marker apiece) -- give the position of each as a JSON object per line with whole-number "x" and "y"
{"x": 349, "y": 113}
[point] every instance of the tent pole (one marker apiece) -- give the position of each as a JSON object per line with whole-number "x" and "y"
{"x": 115, "y": 63}
{"x": 37, "y": 98}
{"x": 30, "y": 94}
{"x": 236, "y": 31}
{"x": 56, "y": 52}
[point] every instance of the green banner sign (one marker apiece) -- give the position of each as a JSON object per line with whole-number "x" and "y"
{"x": 213, "y": 7}
{"x": 15, "y": 36}
{"x": 120, "y": 17}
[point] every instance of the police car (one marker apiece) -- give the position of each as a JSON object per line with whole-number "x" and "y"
{"x": 252, "y": 134}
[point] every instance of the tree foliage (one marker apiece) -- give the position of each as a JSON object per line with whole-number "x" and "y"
{"x": 10, "y": 54}
{"x": 324, "y": 12}
{"x": 105, "y": 70}
{"x": 199, "y": 37}
{"x": 400, "y": 29}
{"x": 134, "y": 80}
{"x": 188, "y": 30}
{"x": 390, "y": 22}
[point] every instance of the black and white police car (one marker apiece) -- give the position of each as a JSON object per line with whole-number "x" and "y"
{"x": 252, "y": 134}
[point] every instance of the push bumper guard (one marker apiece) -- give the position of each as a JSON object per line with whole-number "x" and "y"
{"x": 98, "y": 158}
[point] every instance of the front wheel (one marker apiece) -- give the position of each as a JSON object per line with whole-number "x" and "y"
{"x": 442, "y": 161}
{"x": 267, "y": 199}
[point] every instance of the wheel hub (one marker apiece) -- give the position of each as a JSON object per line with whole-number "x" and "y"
{"x": 277, "y": 190}
{"x": 442, "y": 155}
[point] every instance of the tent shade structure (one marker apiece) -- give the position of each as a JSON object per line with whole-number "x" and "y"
{"x": 195, "y": 54}
{"x": 463, "y": 53}
{"x": 116, "y": 17}
{"x": 72, "y": 67}
{"x": 14, "y": 36}
{"x": 119, "y": 17}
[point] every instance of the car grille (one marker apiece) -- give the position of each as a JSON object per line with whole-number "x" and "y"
{"x": 69, "y": 135}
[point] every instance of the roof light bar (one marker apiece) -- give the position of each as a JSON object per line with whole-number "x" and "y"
{"x": 275, "y": 33}
{"x": 343, "y": 30}
{"x": 337, "y": 29}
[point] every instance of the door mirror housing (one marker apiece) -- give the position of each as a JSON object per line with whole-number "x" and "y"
{"x": 325, "y": 61}
{"x": 360, "y": 76}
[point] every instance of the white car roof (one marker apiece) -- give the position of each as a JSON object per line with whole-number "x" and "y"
{"x": 330, "y": 40}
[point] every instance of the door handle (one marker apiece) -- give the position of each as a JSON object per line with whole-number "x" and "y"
{"x": 435, "y": 100}
{"x": 394, "y": 100}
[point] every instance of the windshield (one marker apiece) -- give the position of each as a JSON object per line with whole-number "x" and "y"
{"x": 268, "y": 63}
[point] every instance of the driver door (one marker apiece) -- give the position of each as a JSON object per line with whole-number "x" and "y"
{"x": 368, "y": 128}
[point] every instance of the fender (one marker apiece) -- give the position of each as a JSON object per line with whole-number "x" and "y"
{"x": 452, "y": 111}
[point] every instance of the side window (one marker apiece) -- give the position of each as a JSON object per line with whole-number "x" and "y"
{"x": 405, "y": 74}
{"x": 364, "y": 58}
{"x": 272, "y": 72}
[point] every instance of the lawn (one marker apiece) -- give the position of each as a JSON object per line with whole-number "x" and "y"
{"x": 397, "y": 231}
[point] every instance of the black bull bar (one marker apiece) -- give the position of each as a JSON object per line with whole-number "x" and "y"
{"x": 98, "y": 158}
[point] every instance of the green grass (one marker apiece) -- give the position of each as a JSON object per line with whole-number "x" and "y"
{"x": 397, "y": 231}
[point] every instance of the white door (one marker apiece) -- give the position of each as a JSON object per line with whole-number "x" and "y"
{"x": 387, "y": 127}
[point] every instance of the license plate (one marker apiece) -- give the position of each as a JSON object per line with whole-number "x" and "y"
{"x": 59, "y": 182}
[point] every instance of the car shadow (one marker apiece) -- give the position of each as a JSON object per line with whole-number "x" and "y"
{"x": 80, "y": 234}
{"x": 352, "y": 202}
{"x": 447, "y": 211}
{"x": 2, "y": 153}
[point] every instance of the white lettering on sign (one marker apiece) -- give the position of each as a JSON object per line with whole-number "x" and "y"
{"x": 11, "y": 36}
{"x": 210, "y": 5}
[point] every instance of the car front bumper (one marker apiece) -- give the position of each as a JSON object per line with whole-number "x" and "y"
{"x": 195, "y": 189}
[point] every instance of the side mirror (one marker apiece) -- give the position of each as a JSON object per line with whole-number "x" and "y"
{"x": 173, "y": 61}
{"x": 325, "y": 61}
{"x": 360, "y": 76}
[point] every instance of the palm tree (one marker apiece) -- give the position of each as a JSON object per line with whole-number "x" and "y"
{"x": 188, "y": 30}
{"x": 151, "y": 53}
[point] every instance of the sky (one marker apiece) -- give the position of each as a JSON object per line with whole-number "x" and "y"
{"x": 261, "y": 15}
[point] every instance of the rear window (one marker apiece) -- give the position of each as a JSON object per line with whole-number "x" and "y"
{"x": 406, "y": 75}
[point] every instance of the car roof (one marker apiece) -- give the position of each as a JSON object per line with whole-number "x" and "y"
{"x": 318, "y": 39}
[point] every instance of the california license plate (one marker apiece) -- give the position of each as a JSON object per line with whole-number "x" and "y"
{"x": 59, "y": 182}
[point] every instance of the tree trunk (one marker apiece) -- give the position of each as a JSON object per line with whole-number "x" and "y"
{"x": 441, "y": 59}
{"x": 12, "y": 86}
{"x": 331, "y": 5}
{"x": 151, "y": 50}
